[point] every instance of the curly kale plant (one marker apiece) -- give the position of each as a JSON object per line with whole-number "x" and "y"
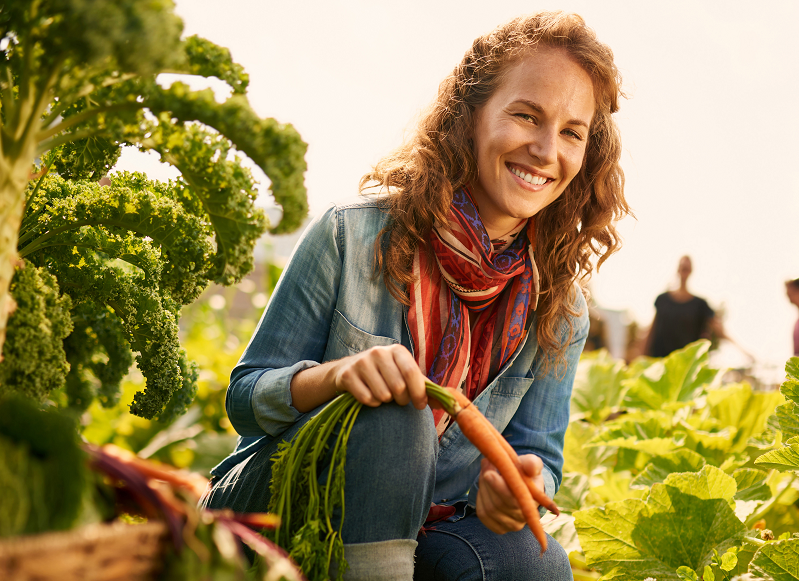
{"x": 35, "y": 360}
{"x": 129, "y": 255}
{"x": 77, "y": 83}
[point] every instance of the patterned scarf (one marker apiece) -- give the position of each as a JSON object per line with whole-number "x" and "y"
{"x": 495, "y": 281}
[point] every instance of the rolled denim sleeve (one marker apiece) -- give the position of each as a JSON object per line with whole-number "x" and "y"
{"x": 291, "y": 335}
{"x": 539, "y": 425}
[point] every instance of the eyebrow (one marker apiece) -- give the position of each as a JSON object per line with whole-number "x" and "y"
{"x": 538, "y": 108}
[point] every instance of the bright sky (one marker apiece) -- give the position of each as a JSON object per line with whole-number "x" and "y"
{"x": 709, "y": 130}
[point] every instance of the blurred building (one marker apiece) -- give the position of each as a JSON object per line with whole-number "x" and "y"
{"x": 609, "y": 329}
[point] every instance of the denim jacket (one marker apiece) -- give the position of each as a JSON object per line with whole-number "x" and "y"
{"x": 330, "y": 304}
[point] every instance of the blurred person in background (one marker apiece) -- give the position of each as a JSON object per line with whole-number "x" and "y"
{"x": 792, "y": 290}
{"x": 681, "y": 318}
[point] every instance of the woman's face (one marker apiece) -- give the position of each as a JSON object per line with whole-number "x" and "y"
{"x": 530, "y": 137}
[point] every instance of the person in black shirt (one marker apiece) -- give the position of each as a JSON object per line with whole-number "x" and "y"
{"x": 680, "y": 318}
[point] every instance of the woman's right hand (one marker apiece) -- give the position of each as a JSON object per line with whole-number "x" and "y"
{"x": 380, "y": 375}
{"x": 377, "y": 375}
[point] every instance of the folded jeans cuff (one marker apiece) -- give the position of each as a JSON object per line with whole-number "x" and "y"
{"x": 382, "y": 560}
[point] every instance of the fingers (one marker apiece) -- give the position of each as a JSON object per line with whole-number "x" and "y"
{"x": 382, "y": 374}
{"x": 412, "y": 377}
{"x": 349, "y": 379}
{"x": 496, "y": 507}
{"x": 532, "y": 465}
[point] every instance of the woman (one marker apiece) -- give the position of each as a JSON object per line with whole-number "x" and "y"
{"x": 464, "y": 272}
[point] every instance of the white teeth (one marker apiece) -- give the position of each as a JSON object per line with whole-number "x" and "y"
{"x": 529, "y": 178}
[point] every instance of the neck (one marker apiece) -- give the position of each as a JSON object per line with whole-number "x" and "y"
{"x": 500, "y": 231}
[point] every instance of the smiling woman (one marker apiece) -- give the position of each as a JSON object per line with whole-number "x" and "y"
{"x": 465, "y": 272}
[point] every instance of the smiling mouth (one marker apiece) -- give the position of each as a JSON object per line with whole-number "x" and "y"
{"x": 528, "y": 177}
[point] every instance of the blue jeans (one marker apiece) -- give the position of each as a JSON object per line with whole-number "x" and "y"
{"x": 465, "y": 550}
{"x": 390, "y": 477}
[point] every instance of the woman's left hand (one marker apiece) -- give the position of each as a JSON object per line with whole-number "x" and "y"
{"x": 496, "y": 506}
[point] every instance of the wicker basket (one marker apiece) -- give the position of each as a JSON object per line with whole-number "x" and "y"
{"x": 101, "y": 552}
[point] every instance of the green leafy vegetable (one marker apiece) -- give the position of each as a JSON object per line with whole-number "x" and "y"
{"x": 572, "y": 492}
{"x": 681, "y": 523}
{"x": 77, "y": 83}
{"x": 97, "y": 347}
{"x": 690, "y": 441}
{"x": 130, "y": 255}
{"x": 786, "y": 420}
{"x": 577, "y": 456}
{"x": 650, "y": 432}
{"x": 598, "y": 390}
{"x": 785, "y": 458}
{"x": 34, "y": 360}
{"x": 778, "y": 561}
{"x": 739, "y": 407}
{"x": 751, "y": 484}
{"x": 659, "y": 468}
{"x": 673, "y": 380}
{"x": 43, "y": 466}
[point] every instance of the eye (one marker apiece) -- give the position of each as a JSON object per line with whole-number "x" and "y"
{"x": 572, "y": 133}
{"x": 527, "y": 117}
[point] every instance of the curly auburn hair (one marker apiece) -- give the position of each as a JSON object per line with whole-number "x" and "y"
{"x": 439, "y": 159}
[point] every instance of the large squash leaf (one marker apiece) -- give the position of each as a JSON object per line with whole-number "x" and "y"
{"x": 661, "y": 466}
{"x": 685, "y": 521}
{"x": 778, "y": 561}
{"x": 649, "y": 432}
{"x": 572, "y": 492}
{"x": 786, "y": 420}
{"x": 676, "y": 378}
{"x": 577, "y": 456}
{"x": 785, "y": 458}
{"x": 740, "y": 407}
{"x": 598, "y": 389}
{"x": 751, "y": 484}
{"x": 790, "y": 388}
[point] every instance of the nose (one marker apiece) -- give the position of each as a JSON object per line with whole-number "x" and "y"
{"x": 544, "y": 145}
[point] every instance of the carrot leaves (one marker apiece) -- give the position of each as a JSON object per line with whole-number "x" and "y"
{"x": 306, "y": 507}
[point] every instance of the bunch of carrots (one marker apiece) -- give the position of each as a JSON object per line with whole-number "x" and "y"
{"x": 165, "y": 493}
{"x": 306, "y": 509}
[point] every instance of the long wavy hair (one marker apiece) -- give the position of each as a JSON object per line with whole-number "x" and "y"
{"x": 422, "y": 174}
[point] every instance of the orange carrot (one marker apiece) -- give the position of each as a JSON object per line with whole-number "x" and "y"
{"x": 538, "y": 495}
{"x": 473, "y": 425}
{"x": 191, "y": 481}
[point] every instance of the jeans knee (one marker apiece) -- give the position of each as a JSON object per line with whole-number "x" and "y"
{"x": 390, "y": 473}
{"x": 556, "y": 562}
{"x": 402, "y": 434}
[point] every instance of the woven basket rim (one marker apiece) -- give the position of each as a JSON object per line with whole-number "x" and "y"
{"x": 86, "y": 534}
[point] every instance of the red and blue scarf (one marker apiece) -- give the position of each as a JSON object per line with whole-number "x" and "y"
{"x": 496, "y": 281}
